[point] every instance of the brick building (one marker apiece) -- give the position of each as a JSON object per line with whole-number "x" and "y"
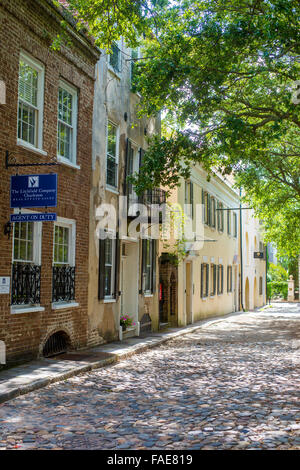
{"x": 47, "y": 116}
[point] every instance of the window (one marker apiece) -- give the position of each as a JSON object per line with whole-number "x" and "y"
{"x": 135, "y": 54}
{"x": 67, "y": 123}
{"x": 26, "y": 269}
{"x": 148, "y": 266}
{"x": 213, "y": 212}
{"x": 260, "y": 286}
{"x": 115, "y": 58}
{"x": 228, "y": 222}
{"x": 220, "y": 277}
{"x": 30, "y": 102}
{"x": 213, "y": 276}
{"x": 112, "y": 155}
{"x": 235, "y": 225}
{"x": 229, "y": 278}
{"x": 220, "y": 217}
{"x": 204, "y": 280}
{"x": 189, "y": 199}
{"x": 63, "y": 273}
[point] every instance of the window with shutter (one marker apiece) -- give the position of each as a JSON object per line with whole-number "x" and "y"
{"x": 148, "y": 266}
{"x": 108, "y": 256}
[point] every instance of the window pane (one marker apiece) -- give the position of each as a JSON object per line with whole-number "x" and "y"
{"x": 28, "y": 84}
{"x": 107, "y": 284}
{"x": 115, "y": 58}
{"x": 112, "y": 140}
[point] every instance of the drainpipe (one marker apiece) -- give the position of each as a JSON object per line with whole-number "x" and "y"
{"x": 241, "y": 253}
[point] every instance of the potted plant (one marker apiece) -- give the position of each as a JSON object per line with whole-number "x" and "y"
{"x": 125, "y": 321}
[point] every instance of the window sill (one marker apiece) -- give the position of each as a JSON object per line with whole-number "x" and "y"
{"x": 60, "y": 306}
{"x": 204, "y": 298}
{"x": 148, "y": 295}
{"x": 109, "y": 301}
{"x": 113, "y": 72}
{"x": 111, "y": 189}
{"x": 26, "y": 309}
{"x": 212, "y": 297}
{"x": 66, "y": 162}
{"x": 26, "y": 146}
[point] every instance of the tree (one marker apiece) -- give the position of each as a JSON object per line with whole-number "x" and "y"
{"x": 107, "y": 21}
{"x": 224, "y": 73}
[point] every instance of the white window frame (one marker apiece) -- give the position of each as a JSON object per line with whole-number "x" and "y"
{"x": 71, "y": 225}
{"x": 235, "y": 225}
{"x": 149, "y": 291}
{"x": 37, "y": 240}
{"x": 111, "y": 297}
{"x": 74, "y": 93}
{"x": 37, "y": 258}
{"x": 36, "y": 65}
{"x": 229, "y": 222}
{"x": 108, "y": 186}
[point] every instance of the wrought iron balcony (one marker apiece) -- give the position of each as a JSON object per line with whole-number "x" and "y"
{"x": 153, "y": 196}
{"x": 26, "y": 284}
{"x": 63, "y": 283}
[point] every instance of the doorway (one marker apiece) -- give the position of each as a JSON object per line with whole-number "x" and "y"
{"x": 129, "y": 282}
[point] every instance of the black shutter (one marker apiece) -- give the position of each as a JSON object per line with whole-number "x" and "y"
{"x": 202, "y": 270}
{"x": 228, "y": 279}
{"x": 218, "y": 279}
{"x": 126, "y": 172}
{"x": 117, "y": 265}
{"x": 141, "y": 152}
{"x": 207, "y": 279}
{"x": 203, "y": 206}
{"x": 101, "y": 274}
{"x": 153, "y": 266}
{"x": 215, "y": 279}
{"x": 222, "y": 279}
{"x": 209, "y": 210}
{"x": 143, "y": 270}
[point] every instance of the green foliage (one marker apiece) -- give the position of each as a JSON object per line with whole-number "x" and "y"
{"x": 223, "y": 71}
{"x": 109, "y": 20}
{"x": 277, "y": 273}
{"x": 277, "y": 289}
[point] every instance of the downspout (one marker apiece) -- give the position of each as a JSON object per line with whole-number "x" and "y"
{"x": 241, "y": 251}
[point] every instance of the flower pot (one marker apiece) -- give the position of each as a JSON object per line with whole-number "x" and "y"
{"x": 124, "y": 327}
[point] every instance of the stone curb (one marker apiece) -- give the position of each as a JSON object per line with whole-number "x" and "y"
{"x": 116, "y": 357}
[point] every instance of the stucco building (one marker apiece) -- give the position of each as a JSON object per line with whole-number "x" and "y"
{"x": 122, "y": 270}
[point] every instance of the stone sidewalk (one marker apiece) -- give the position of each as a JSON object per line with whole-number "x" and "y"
{"x": 40, "y": 373}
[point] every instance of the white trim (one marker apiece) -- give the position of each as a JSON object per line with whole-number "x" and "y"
{"x": 74, "y": 93}
{"x": 111, "y": 189}
{"x": 62, "y": 305}
{"x": 66, "y": 162}
{"x": 147, "y": 295}
{"x": 27, "y": 146}
{"x": 14, "y": 310}
{"x": 37, "y": 238}
{"x": 71, "y": 225}
{"x": 107, "y": 300}
{"x": 40, "y": 68}
{"x": 108, "y": 186}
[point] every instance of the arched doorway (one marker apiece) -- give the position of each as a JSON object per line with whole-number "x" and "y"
{"x": 57, "y": 343}
{"x": 247, "y": 297}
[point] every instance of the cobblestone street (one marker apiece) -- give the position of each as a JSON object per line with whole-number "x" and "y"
{"x": 230, "y": 385}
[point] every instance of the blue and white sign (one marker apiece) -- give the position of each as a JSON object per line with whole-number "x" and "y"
{"x": 45, "y": 217}
{"x": 33, "y": 191}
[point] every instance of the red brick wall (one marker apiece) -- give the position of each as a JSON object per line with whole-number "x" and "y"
{"x": 23, "y": 26}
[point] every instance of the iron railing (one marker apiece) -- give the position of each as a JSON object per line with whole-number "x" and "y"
{"x": 153, "y": 196}
{"x": 63, "y": 283}
{"x": 26, "y": 284}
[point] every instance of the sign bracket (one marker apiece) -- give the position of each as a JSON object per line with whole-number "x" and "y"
{"x": 10, "y": 162}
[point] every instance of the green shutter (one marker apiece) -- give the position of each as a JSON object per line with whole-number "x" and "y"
{"x": 117, "y": 266}
{"x": 153, "y": 266}
{"x": 207, "y": 280}
{"x": 101, "y": 274}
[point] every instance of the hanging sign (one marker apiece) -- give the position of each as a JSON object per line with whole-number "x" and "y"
{"x": 45, "y": 217}
{"x": 259, "y": 254}
{"x": 33, "y": 191}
